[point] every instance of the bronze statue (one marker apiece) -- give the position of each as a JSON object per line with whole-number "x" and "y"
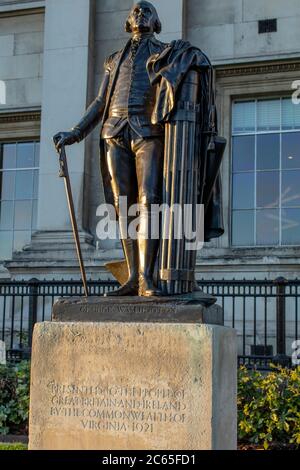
{"x": 147, "y": 89}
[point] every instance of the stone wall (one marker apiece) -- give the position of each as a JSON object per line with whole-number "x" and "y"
{"x": 228, "y": 30}
{"x": 21, "y": 57}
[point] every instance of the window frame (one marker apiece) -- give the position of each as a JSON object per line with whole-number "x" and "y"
{"x": 20, "y": 126}
{"x": 255, "y": 134}
{"x": 246, "y": 80}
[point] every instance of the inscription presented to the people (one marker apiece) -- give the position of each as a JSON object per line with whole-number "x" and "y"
{"x": 117, "y": 408}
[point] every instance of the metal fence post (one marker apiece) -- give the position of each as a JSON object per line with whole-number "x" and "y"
{"x": 32, "y": 314}
{"x": 281, "y": 358}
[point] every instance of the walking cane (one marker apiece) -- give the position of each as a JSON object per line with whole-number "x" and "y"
{"x": 64, "y": 173}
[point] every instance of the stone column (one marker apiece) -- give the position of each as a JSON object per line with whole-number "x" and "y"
{"x": 65, "y": 98}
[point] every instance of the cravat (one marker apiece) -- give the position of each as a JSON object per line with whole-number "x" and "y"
{"x": 135, "y": 42}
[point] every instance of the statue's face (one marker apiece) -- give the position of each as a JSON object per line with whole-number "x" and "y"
{"x": 142, "y": 18}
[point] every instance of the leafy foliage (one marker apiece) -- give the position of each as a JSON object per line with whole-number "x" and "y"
{"x": 14, "y": 398}
{"x": 269, "y": 407}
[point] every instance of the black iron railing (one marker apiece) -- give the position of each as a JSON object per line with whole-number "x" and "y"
{"x": 23, "y": 303}
{"x": 264, "y": 313}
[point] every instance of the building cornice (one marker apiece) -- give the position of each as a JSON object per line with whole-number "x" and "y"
{"x": 254, "y": 69}
{"x": 21, "y": 8}
{"x": 20, "y": 117}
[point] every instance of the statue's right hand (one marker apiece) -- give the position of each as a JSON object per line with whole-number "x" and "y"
{"x": 64, "y": 138}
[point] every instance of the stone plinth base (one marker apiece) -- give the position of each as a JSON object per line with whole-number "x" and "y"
{"x": 189, "y": 308}
{"x": 130, "y": 386}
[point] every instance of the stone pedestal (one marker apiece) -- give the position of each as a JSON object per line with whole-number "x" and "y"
{"x": 129, "y": 385}
{"x": 195, "y": 307}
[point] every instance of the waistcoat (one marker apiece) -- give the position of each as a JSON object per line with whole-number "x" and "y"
{"x": 133, "y": 93}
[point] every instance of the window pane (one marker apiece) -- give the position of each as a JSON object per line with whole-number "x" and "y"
{"x": 6, "y": 240}
{"x": 268, "y": 151}
{"x": 243, "y": 191}
{"x": 18, "y": 195}
{"x": 267, "y": 227}
{"x": 268, "y": 115}
{"x": 34, "y": 215}
{"x": 243, "y": 153}
{"x": 290, "y": 114}
{"x": 267, "y": 189}
{"x": 6, "y": 215}
{"x": 290, "y": 226}
{"x": 21, "y": 239}
{"x": 23, "y": 212}
{"x": 276, "y": 183}
{"x": 24, "y": 184}
{"x": 37, "y": 154}
{"x": 243, "y": 117}
{"x": 290, "y": 195}
{"x": 7, "y": 185}
{"x": 243, "y": 228}
{"x": 8, "y": 156}
{"x": 291, "y": 150}
{"x": 25, "y": 155}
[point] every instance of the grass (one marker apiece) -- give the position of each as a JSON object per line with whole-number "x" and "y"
{"x": 13, "y": 446}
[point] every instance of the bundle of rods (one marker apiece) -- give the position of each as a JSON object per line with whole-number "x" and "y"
{"x": 180, "y": 187}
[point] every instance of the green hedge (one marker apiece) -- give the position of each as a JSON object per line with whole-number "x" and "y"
{"x": 269, "y": 408}
{"x": 14, "y": 398}
{"x": 268, "y": 405}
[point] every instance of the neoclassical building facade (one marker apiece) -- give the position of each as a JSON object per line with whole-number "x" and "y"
{"x": 51, "y": 62}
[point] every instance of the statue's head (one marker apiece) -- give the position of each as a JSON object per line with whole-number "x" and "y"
{"x": 143, "y": 18}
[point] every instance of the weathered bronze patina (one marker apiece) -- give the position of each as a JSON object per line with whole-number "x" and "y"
{"x": 158, "y": 143}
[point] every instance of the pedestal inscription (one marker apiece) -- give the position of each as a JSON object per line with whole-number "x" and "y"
{"x": 132, "y": 386}
{"x": 117, "y": 408}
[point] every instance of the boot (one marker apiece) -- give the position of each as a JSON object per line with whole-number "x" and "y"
{"x": 148, "y": 250}
{"x": 195, "y": 287}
